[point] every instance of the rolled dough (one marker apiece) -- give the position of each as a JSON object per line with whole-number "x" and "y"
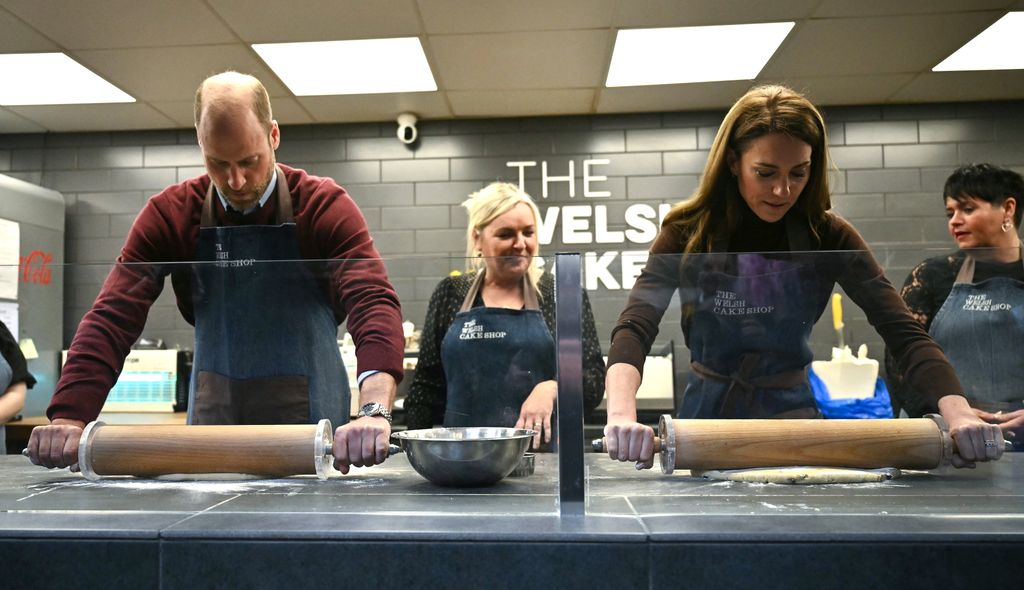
{"x": 801, "y": 475}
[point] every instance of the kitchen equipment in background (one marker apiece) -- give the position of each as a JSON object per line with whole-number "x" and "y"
{"x": 837, "y": 317}
{"x": 147, "y": 383}
{"x": 464, "y": 457}
{"x": 846, "y": 376}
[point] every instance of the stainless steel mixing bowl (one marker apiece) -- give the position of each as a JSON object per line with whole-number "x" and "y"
{"x": 464, "y": 457}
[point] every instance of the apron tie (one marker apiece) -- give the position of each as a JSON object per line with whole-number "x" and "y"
{"x": 739, "y": 398}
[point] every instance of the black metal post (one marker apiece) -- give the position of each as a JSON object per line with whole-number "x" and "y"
{"x": 569, "y": 332}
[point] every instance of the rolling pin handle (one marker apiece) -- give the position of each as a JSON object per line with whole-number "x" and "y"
{"x": 598, "y": 445}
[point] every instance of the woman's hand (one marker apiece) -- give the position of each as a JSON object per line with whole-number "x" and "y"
{"x": 535, "y": 413}
{"x": 976, "y": 440}
{"x": 627, "y": 440}
{"x": 1011, "y": 423}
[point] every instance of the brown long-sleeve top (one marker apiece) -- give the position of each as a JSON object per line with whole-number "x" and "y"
{"x": 842, "y": 257}
{"x": 163, "y": 240}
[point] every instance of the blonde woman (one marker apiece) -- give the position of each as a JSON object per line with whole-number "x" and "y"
{"x": 755, "y": 254}
{"x": 487, "y": 353}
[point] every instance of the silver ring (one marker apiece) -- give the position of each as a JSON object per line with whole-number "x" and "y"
{"x": 990, "y": 443}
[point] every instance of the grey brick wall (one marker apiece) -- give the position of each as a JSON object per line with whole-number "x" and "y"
{"x": 891, "y": 160}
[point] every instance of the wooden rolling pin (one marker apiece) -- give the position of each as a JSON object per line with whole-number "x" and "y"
{"x": 152, "y": 450}
{"x": 920, "y": 443}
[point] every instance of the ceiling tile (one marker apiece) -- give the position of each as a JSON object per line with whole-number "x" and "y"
{"x": 375, "y": 107}
{"x": 876, "y": 45}
{"x": 845, "y": 8}
{"x": 13, "y": 123}
{"x": 963, "y": 86}
{"x": 520, "y": 103}
{"x": 20, "y": 38}
{"x": 499, "y": 61}
{"x": 319, "y": 20}
{"x": 96, "y": 117}
{"x": 674, "y": 97}
{"x": 847, "y": 90}
{"x": 73, "y": 24}
{"x": 493, "y": 16}
{"x": 688, "y": 13}
{"x": 174, "y": 73}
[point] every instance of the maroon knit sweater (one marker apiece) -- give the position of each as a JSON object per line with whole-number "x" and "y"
{"x": 329, "y": 227}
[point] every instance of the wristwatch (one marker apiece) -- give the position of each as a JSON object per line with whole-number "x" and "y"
{"x": 374, "y": 409}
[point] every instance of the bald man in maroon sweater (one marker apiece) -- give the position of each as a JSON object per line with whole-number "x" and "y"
{"x": 266, "y": 349}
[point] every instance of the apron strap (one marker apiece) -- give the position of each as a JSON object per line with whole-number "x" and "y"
{"x": 529, "y": 295}
{"x": 740, "y": 394}
{"x": 966, "y": 273}
{"x": 284, "y": 203}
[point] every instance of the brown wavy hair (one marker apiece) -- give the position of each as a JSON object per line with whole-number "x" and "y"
{"x": 714, "y": 208}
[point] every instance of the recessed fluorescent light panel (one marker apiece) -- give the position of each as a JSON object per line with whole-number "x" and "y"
{"x": 682, "y": 55}
{"x": 52, "y": 78}
{"x": 370, "y": 66}
{"x": 996, "y": 48}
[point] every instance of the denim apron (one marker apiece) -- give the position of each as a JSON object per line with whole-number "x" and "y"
{"x": 493, "y": 358}
{"x": 6, "y": 375}
{"x": 980, "y": 327}
{"x": 749, "y": 333}
{"x": 266, "y": 336}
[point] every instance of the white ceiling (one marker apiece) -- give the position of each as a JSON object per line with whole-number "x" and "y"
{"x": 491, "y": 58}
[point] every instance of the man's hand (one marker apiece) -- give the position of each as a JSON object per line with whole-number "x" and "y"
{"x": 56, "y": 445}
{"x": 362, "y": 443}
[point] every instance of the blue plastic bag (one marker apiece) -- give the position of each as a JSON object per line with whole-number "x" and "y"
{"x": 877, "y": 406}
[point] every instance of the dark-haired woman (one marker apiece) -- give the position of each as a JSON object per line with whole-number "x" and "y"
{"x": 972, "y": 301}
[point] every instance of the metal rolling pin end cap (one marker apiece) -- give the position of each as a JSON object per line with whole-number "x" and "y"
{"x": 525, "y": 466}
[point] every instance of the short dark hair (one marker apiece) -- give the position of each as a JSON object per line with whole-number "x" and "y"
{"x": 988, "y": 183}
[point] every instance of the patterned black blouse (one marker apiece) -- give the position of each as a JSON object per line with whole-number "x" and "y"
{"x": 425, "y": 404}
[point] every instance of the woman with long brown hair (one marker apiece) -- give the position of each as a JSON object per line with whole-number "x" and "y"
{"x": 754, "y": 255}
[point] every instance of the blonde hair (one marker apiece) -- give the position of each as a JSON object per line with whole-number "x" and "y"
{"x": 759, "y": 112}
{"x": 260, "y": 100}
{"x": 486, "y": 205}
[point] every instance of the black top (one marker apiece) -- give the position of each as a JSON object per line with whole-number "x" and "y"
{"x": 927, "y": 287}
{"x": 424, "y": 406}
{"x": 12, "y": 354}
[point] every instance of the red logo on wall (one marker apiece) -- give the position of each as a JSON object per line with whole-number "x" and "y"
{"x": 35, "y": 268}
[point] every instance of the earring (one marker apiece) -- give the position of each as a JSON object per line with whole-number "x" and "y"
{"x": 1007, "y": 225}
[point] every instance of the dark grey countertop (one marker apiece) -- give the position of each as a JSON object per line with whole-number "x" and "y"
{"x": 391, "y": 501}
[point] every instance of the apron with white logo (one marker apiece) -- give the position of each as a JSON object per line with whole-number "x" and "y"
{"x": 493, "y": 358}
{"x": 980, "y": 327}
{"x": 749, "y": 334}
{"x": 266, "y": 336}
